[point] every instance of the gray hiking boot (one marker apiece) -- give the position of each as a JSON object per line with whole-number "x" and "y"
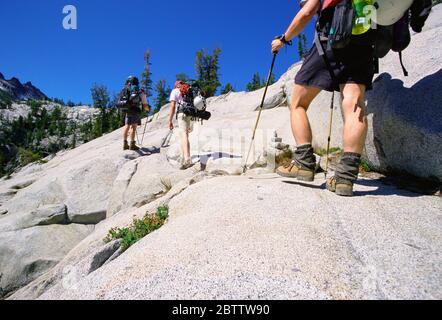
{"x": 294, "y": 171}
{"x": 341, "y": 187}
{"x": 346, "y": 175}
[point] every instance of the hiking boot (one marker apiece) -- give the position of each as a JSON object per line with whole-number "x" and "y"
{"x": 125, "y": 145}
{"x": 133, "y": 146}
{"x": 341, "y": 187}
{"x": 293, "y": 171}
{"x": 186, "y": 165}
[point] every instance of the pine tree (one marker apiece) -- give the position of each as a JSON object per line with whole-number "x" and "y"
{"x": 100, "y": 96}
{"x": 302, "y": 46}
{"x": 146, "y": 76}
{"x": 272, "y": 80}
{"x": 207, "y": 71}
{"x": 163, "y": 94}
{"x": 227, "y": 88}
{"x": 255, "y": 84}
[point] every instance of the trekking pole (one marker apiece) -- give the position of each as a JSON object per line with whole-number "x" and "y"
{"x": 136, "y": 134}
{"x": 260, "y": 110}
{"x": 329, "y": 133}
{"x": 144, "y": 132}
{"x": 167, "y": 139}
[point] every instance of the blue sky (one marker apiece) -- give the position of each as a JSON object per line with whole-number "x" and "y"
{"x": 113, "y": 35}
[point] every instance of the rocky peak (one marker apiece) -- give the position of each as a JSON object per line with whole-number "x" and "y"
{"x": 15, "y": 81}
{"x": 19, "y": 91}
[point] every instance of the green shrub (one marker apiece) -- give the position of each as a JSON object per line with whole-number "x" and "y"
{"x": 28, "y": 156}
{"x": 139, "y": 228}
{"x": 5, "y": 100}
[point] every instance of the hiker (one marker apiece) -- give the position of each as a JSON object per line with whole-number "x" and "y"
{"x": 132, "y": 102}
{"x": 185, "y": 122}
{"x": 345, "y": 58}
{"x": 354, "y": 68}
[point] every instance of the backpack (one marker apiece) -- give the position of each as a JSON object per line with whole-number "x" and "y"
{"x": 339, "y": 21}
{"x": 340, "y": 33}
{"x": 337, "y": 27}
{"x": 397, "y": 37}
{"x": 194, "y": 103}
{"x": 130, "y": 100}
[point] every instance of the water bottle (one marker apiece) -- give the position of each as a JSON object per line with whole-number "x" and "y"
{"x": 362, "y": 21}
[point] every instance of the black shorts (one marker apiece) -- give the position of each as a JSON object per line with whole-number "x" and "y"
{"x": 132, "y": 119}
{"x": 353, "y": 64}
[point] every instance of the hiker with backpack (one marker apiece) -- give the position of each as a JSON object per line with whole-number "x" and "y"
{"x": 188, "y": 104}
{"x": 342, "y": 59}
{"x": 132, "y": 102}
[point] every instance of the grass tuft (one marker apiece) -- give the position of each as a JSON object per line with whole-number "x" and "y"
{"x": 323, "y": 152}
{"x": 365, "y": 166}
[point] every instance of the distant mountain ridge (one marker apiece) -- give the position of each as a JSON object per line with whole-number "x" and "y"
{"x": 18, "y": 91}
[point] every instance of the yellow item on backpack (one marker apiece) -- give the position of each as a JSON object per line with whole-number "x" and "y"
{"x": 362, "y": 22}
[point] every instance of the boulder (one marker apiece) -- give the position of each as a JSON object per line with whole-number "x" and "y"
{"x": 405, "y": 113}
{"x": 88, "y": 186}
{"x": 43, "y": 216}
{"x": 93, "y": 217}
{"x": 27, "y": 254}
{"x": 46, "y": 191}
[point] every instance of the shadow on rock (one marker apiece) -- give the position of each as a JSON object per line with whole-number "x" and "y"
{"x": 143, "y": 152}
{"x": 382, "y": 189}
{"x": 302, "y": 184}
{"x": 407, "y": 126}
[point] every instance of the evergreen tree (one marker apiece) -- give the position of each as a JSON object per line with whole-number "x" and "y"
{"x": 5, "y": 100}
{"x": 302, "y": 46}
{"x": 163, "y": 94}
{"x": 207, "y": 71}
{"x": 146, "y": 76}
{"x": 255, "y": 84}
{"x": 100, "y": 96}
{"x": 227, "y": 88}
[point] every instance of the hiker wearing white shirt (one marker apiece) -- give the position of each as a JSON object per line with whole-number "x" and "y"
{"x": 185, "y": 122}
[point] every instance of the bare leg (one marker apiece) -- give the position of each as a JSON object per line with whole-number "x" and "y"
{"x": 133, "y": 132}
{"x": 304, "y": 161}
{"x": 126, "y": 132}
{"x": 185, "y": 144}
{"x": 301, "y": 99}
{"x": 355, "y": 120}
